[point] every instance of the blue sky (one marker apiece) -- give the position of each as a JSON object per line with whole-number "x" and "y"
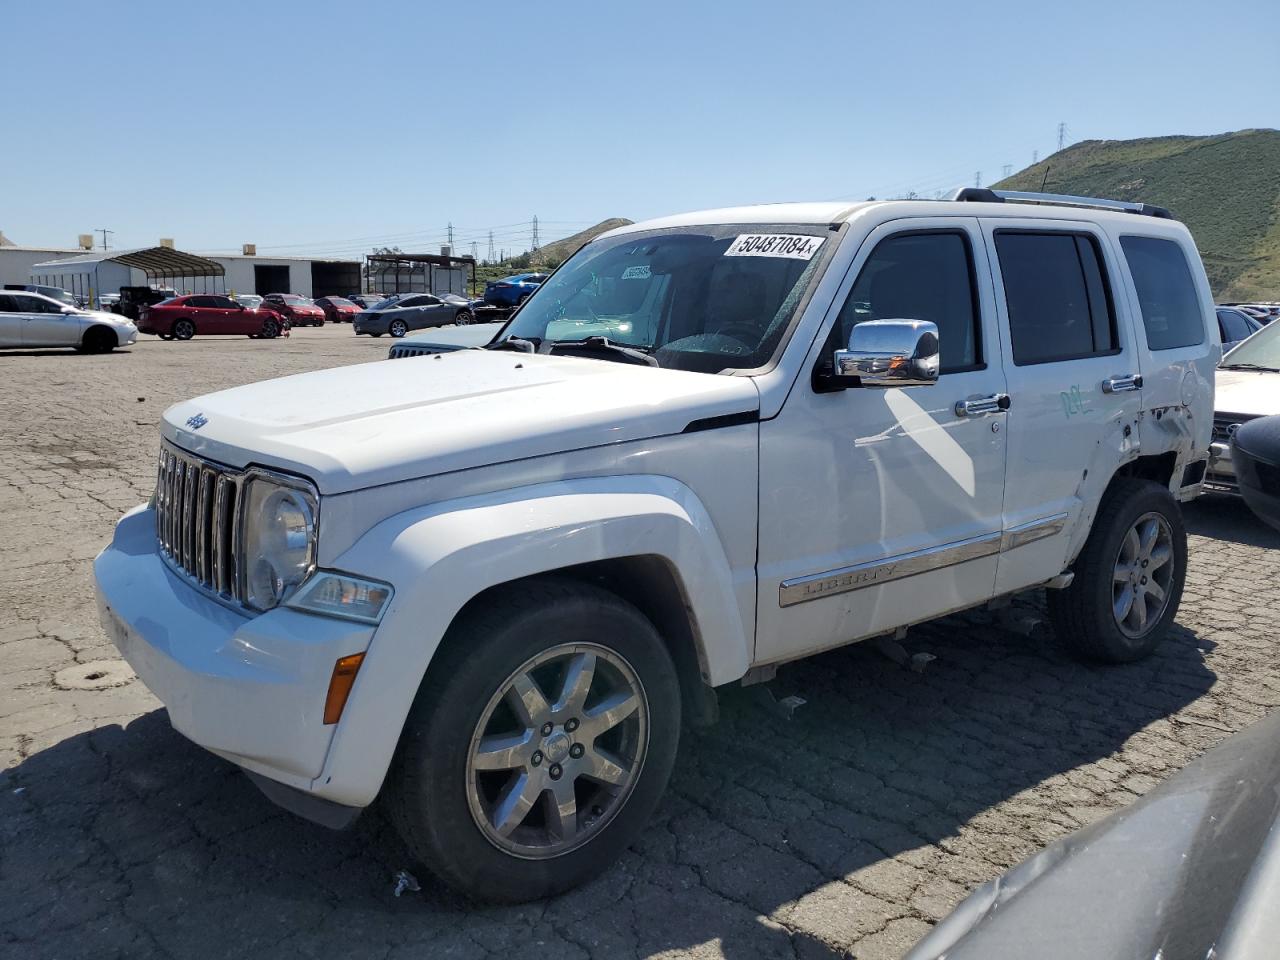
{"x": 317, "y": 127}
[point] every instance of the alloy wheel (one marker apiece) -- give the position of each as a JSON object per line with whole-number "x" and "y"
{"x": 546, "y": 772}
{"x": 1142, "y": 581}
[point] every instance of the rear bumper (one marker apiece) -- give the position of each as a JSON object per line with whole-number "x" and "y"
{"x": 248, "y": 688}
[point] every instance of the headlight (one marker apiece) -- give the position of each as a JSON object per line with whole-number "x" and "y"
{"x": 279, "y": 538}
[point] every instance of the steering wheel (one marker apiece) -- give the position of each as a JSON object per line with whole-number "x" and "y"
{"x": 748, "y": 333}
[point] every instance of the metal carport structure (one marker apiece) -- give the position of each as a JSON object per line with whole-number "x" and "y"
{"x": 109, "y": 270}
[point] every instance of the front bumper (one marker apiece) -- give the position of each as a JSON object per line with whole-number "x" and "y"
{"x": 248, "y": 688}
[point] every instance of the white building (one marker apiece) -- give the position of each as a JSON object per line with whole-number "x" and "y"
{"x": 16, "y": 261}
{"x": 106, "y": 271}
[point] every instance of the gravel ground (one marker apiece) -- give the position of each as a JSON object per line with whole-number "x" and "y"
{"x": 843, "y": 831}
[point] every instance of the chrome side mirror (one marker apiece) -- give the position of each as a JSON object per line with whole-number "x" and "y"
{"x": 891, "y": 353}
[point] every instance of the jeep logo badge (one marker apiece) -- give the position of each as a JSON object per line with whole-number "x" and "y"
{"x": 198, "y": 421}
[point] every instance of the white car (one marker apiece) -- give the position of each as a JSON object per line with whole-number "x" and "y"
{"x": 1248, "y": 386}
{"x": 489, "y": 585}
{"x": 34, "y": 320}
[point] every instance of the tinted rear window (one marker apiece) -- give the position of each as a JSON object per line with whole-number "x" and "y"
{"x": 1166, "y": 292}
{"x": 1057, "y": 296}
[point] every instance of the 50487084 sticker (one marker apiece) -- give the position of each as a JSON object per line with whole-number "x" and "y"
{"x": 791, "y": 246}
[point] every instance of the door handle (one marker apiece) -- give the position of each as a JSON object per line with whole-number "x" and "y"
{"x": 979, "y": 406}
{"x": 1125, "y": 384}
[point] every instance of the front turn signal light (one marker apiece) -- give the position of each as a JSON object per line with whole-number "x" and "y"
{"x": 344, "y": 675}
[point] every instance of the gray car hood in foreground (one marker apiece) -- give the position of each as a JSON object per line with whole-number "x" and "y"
{"x": 361, "y": 426}
{"x": 1190, "y": 871}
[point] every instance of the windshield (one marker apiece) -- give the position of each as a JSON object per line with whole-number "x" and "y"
{"x": 340, "y": 302}
{"x": 296, "y": 301}
{"x": 705, "y": 298}
{"x": 1260, "y": 350}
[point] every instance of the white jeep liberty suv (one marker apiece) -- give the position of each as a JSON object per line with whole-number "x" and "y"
{"x": 487, "y": 585}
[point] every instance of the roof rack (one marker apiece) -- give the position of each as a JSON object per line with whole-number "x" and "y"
{"x": 985, "y": 195}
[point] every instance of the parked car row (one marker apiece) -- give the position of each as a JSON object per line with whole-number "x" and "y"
{"x": 1235, "y": 325}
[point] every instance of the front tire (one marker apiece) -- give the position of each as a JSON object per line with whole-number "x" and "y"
{"x": 398, "y": 328}
{"x": 539, "y": 744}
{"x": 270, "y": 329}
{"x": 463, "y": 318}
{"x": 99, "y": 340}
{"x": 1129, "y": 576}
{"x": 184, "y": 330}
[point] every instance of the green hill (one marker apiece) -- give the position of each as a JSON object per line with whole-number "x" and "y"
{"x": 554, "y": 254}
{"x": 1225, "y": 188}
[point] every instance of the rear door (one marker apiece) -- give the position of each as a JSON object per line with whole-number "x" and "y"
{"x": 1073, "y": 375}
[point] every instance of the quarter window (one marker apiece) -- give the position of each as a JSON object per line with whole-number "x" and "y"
{"x": 921, "y": 276}
{"x": 1166, "y": 292}
{"x": 1057, "y": 296}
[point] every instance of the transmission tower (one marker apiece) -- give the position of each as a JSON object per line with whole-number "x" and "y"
{"x": 535, "y": 232}
{"x": 1006, "y": 170}
{"x": 1062, "y": 135}
{"x": 1035, "y": 157}
{"x": 474, "y": 250}
{"x": 491, "y": 246}
{"x": 451, "y": 236}
{"x": 977, "y": 179}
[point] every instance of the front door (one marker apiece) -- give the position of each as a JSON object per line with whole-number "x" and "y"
{"x": 883, "y": 507}
{"x": 10, "y": 322}
{"x": 45, "y": 324}
{"x": 1073, "y": 383}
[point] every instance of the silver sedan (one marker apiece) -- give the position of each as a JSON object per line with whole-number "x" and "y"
{"x": 399, "y": 314}
{"x": 34, "y": 320}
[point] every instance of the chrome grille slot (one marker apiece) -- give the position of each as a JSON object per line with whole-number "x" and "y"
{"x": 197, "y": 520}
{"x": 1222, "y": 426}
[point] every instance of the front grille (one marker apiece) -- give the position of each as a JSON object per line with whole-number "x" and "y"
{"x": 412, "y": 350}
{"x": 198, "y": 520}
{"x": 1223, "y": 424}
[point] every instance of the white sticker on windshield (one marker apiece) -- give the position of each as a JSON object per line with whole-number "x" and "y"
{"x": 792, "y": 246}
{"x": 638, "y": 272}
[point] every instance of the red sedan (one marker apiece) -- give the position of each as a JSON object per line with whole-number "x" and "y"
{"x": 337, "y": 310}
{"x": 208, "y": 314}
{"x": 299, "y": 311}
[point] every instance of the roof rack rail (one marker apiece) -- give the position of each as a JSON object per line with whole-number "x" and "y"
{"x": 985, "y": 195}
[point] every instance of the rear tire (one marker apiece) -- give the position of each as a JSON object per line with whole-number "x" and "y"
{"x": 445, "y": 792}
{"x": 184, "y": 330}
{"x": 398, "y": 328}
{"x": 1126, "y": 591}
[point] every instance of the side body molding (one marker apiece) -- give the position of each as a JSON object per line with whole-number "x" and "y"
{"x": 440, "y": 556}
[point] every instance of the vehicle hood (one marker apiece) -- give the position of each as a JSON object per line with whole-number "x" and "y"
{"x": 392, "y": 420}
{"x": 105, "y": 316}
{"x": 1251, "y": 392}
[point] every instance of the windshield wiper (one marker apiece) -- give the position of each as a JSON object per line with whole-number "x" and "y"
{"x": 1249, "y": 366}
{"x": 604, "y": 348}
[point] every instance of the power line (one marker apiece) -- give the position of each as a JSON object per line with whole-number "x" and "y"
{"x": 104, "y": 233}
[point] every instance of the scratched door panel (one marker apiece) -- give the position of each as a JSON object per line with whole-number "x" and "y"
{"x": 1067, "y": 330}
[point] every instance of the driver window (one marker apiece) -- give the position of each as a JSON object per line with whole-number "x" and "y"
{"x": 921, "y": 276}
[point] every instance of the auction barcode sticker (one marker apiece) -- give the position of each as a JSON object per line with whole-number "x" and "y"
{"x": 792, "y": 246}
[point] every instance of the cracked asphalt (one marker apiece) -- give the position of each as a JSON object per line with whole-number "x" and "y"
{"x": 844, "y": 831}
